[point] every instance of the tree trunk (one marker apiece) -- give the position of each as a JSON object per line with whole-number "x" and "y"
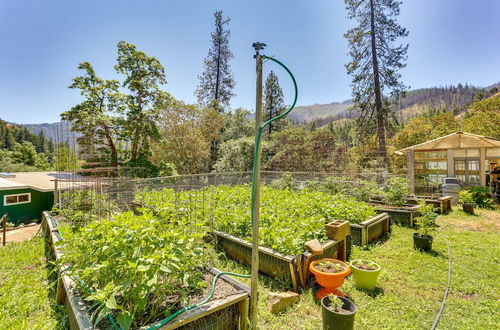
{"x": 378, "y": 94}
{"x": 111, "y": 143}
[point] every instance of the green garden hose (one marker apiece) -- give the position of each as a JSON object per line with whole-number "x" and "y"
{"x": 255, "y": 162}
{"x": 261, "y": 129}
{"x": 204, "y": 301}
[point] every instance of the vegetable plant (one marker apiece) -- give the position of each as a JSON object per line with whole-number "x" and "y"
{"x": 465, "y": 197}
{"x": 427, "y": 219}
{"x": 336, "y": 303}
{"x": 397, "y": 190}
{"x": 137, "y": 267}
{"x": 288, "y": 218}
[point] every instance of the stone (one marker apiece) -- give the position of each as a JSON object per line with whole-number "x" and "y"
{"x": 279, "y": 301}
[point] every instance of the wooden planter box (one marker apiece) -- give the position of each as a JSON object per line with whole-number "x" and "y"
{"x": 370, "y": 230}
{"x": 274, "y": 263}
{"x": 404, "y": 215}
{"x": 442, "y": 204}
{"x": 230, "y": 312}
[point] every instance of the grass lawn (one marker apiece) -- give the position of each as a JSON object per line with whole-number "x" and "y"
{"x": 26, "y": 298}
{"x": 411, "y": 285}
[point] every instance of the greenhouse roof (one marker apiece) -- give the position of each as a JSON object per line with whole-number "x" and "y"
{"x": 455, "y": 140}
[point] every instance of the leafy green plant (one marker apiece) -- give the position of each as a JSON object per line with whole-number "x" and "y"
{"x": 363, "y": 264}
{"x": 335, "y": 302}
{"x": 80, "y": 207}
{"x": 427, "y": 219}
{"x": 288, "y": 218}
{"x": 465, "y": 197}
{"x": 362, "y": 190}
{"x": 285, "y": 182}
{"x": 482, "y": 197}
{"x": 397, "y": 190}
{"x": 10, "y": 225}
{"x": 137, "y": 267}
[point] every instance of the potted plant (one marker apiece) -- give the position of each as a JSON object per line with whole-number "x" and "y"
{"x": 337, "y": 312}
{"x": 466, "y": 199}
{"x": 365, "y": 274}
{"x": 330, "y": 274}
{"x": 426, "y": 224}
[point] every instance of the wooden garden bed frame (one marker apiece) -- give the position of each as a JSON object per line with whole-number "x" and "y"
{"x": 277, "y": 264}
{"x": 371, "y": 229}
{"x": 403, "y": 215}
{"x": 442, "y": 204}
{"x": 79, "y": 315}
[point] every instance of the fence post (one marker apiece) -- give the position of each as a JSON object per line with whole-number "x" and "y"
{"x": 4, "y": 228}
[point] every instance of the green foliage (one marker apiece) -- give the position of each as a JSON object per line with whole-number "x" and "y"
{"x": 81, "y": 207}
{"x": 482, "y": 197}
{"x": 285, "y": 182}
{"x": 138, "y": 267}
{"x": 427, "y": 219}
{"x": 397, "y": 191}
{"x": 484, "y": 118}
{"x": 25, "y": 153}
{"x": 465, "y": 197}
{"x": 237, "y": 155}
{"x": 362, "y": 190}
{"x": 335, "y": 302}
{"x": 273, "y": 105}
{"x": 288, "y": 218}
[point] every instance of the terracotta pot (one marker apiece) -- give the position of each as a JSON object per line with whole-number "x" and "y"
{"x": 329, "y": 281}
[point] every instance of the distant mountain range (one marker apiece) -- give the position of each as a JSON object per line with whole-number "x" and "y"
{"x": 453, "y": 98}
{"x": 57, "y": 132}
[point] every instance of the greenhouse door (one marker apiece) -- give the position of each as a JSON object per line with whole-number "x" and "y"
{"x": 467, "y": 171}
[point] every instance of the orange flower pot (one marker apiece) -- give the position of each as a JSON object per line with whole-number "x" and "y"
{"x": 330, "y": 282}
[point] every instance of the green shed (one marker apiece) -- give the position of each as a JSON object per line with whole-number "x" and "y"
{"x": 23, "y": 196}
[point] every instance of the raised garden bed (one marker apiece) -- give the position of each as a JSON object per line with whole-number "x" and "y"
{"x": 275, "y": 264}
{"x": 442, "y": 204}
{"x": 401, "y": 215}
{"x": 227, "y": 310}
{"x": 370, "y": 230}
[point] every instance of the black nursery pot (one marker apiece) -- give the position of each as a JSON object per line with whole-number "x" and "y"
{"x": 468, "y": 208}
{"x": 423, "y": 243}
{"x": 337, "y": 321}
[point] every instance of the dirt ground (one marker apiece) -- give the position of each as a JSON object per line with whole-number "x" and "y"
{"x": 21, "y": 234}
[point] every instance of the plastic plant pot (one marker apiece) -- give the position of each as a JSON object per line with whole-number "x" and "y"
{"x": 422, "y": 243}
{"x": 330, "y": 282}
{"x": 468, "y": 208}
{"x": 338, "y": 321}
{"x": 364, "y": 278}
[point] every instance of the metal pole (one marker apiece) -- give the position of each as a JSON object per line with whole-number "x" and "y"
{"x": 255, "y": 219}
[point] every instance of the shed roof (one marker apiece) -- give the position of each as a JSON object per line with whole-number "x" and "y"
{"x": 41, "y": 181}
{"x": 455, "y": 141}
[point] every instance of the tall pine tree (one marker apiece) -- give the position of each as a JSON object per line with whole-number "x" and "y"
{"x": 274, "y": 105}
{"x": 375, "y": 62}
{"x": 216, "y": 81}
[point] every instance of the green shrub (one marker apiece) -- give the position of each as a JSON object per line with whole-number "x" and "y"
{"x": 427, "y": 219}
{"x": 465, "y": 197}
{"x": 137, "y": 267}
{"x": 482, "y": 197}
{"x": 397, "y": 191}
{"x": 362, "y": 190}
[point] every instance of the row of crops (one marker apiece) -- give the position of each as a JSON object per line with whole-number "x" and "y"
{"x": 288, "y": 218}
{"x": 136, "y": 268}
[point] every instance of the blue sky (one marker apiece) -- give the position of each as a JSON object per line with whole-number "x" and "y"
{"x": 42, "y": 42}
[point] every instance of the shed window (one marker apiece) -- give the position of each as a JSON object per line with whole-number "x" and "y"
{"x": 493, "y": 152}
{"x": 16, "y": 199}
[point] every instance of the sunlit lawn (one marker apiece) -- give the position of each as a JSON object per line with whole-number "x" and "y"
{"x": 412, "y": 284}
{"x": 26, "y": 297}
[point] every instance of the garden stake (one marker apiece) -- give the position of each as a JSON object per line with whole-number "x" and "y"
{"x": 255, "y": 197}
